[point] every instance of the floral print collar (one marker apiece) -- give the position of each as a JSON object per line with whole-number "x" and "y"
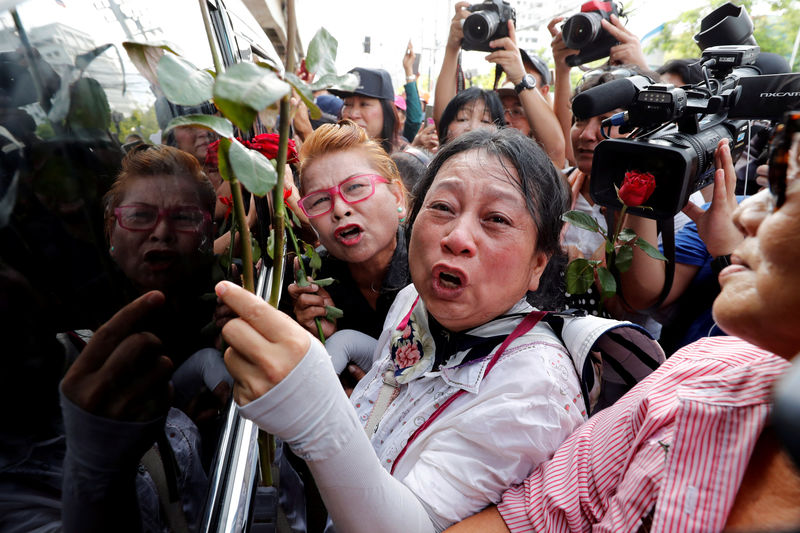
{"x": 418, "y": 344}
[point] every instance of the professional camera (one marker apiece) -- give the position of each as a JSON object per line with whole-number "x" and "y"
{"x": 489, "y": 21}
{"x": 677, "y": 129}
{"x": 583, "y": 32}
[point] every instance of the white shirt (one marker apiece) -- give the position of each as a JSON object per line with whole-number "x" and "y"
{"x": 511, "y": 420}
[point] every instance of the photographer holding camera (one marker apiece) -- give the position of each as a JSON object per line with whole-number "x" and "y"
{"x": 590, "y": 35}
{"x": 504, "y": 53}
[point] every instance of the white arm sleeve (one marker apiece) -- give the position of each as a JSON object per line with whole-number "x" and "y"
{"x": 204, "y": 367}
{"x": 350, "y": 345}
{"x": 310, "y": 411}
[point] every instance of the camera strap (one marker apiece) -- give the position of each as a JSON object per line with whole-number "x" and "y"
{"x": 498, "y": 71}
{"x": 666, "y": 228}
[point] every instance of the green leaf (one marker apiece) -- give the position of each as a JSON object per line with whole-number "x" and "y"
{"x": 223, "y": 158}
{"x": 321, "y": 57}
{"x": 145, "y": 57}
{"x": 608, "y": 285}
{"x": 219, "y": 125}
{"x": 300, "y": 280}
{"x": 347, "y": 82}
{"x": 609, "y": 247}
{"x": 324, "y": 282}
{"x": 245, "y": 89}
{"x": 650, "y": 250}
{"x": 252, "y": 169}
{"x": 624, "y": 258}
{"x": 88, "y": 107}
{"x": 579, "y": 276}
{"x": 580, "y": 220}
{"x": 626, "y": 235}
{"x": 332, "y": 313}
{"x": 271, "y": 245}
{"x": 305, "y": 94}
{"x": 182, "y": 82}
{"x": 315, "y": 261}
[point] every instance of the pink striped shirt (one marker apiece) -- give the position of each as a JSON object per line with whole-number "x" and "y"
{"x": 671, "y": 453}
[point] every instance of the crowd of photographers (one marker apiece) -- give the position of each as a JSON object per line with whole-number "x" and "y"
{"x": 646, "y": 164}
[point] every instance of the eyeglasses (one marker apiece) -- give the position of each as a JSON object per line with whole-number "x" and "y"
{"x": 143, "y": 217}
{"x": 514, "y": 112}
{"x": 352, "y": 190}
{"x": 784, "y": 153}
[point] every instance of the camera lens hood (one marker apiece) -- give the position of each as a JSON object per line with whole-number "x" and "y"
{"x": 726, "y": 25}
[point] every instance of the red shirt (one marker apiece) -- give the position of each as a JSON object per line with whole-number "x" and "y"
{"x": 671, "y": 453}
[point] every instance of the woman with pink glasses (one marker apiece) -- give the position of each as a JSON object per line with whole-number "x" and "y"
{"x": 354, "y": 198}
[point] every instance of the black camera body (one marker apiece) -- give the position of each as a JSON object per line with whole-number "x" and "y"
{"x": 584, "y": 32}
{"x": 679, "y": 129}
{"x": 488, "y": 21}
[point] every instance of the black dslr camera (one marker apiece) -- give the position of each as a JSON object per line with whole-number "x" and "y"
{"x": 488, "y": 21}
{"x": 583, "y": 32}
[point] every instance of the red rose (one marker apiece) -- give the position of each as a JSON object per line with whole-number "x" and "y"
{"x": 267, "y": 144}
{"x": 636, "y": 188}
{"x": 212, "y": 155}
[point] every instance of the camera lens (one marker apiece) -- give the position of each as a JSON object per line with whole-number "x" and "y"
{"x": 479, "y": 27}
{"x": 581, "y": 29}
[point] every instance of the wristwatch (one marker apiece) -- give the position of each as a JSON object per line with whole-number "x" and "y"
{"x": 528, "y": 82}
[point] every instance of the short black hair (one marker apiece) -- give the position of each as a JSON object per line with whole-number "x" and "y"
{"x": 490, "y": 99}
{"x": 688, "y": 69}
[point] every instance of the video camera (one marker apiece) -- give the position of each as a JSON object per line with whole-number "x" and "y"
{"x": 584, "y": 32}
{"x": 488, "y": 21}
{"x": 676, "y": 129}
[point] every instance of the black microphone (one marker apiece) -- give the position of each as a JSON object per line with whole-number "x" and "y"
{"x": 611, "y": 95}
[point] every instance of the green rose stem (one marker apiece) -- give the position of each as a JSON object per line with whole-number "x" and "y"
{"x": 266, "y": 441}
{"x": 236, "y": 191}
{"x": 279, "y": 220}
{"x": 303, "y": 275}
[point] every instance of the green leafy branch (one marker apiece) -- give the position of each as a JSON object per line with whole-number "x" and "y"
{"x": 582, "y": 273}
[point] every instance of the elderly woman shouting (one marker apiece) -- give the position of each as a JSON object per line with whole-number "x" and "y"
{"x": 468, "y": 391}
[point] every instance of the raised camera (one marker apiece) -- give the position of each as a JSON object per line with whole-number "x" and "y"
{"x": 488, "y": 21}
{"x": 584, "y": 32}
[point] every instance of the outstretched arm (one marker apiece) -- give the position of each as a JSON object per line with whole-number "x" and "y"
{"x": 285, "y": 383}
{"x": 114, "y": 401}
{"x": 544, "y": 124}
{"x": 446, "y": 82}
{"x": 643, "y": 281}
{"x": 563, "y": 87}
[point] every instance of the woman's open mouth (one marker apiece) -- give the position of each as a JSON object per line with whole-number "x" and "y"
{"x": 349, "y": 235}
{"x": 160, "y": 259}
{"x": 448, "y": 282}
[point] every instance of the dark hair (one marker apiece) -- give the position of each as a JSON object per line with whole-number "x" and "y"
{"x": 542, "y": 186}
{"x": 411, "y": 165}
{"x": 688, "y": 69}
{"x": 490, "y": 100}
{"x": 389, "y": 138}
{"x": 152, "y": 162}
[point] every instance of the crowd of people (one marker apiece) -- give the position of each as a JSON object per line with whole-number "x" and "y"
{"x": 479, "y": 394}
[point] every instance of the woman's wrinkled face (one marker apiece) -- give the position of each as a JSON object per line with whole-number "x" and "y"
{"x": 472, "y": 116}
{"x": 760, "y": 296}
{"x": 585, "y": 136}
{"x": 162, "y": 258}
{"x": 366, "y": 112}
{"x": 473, "y": 250}
{"x": 359, "y": 233}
